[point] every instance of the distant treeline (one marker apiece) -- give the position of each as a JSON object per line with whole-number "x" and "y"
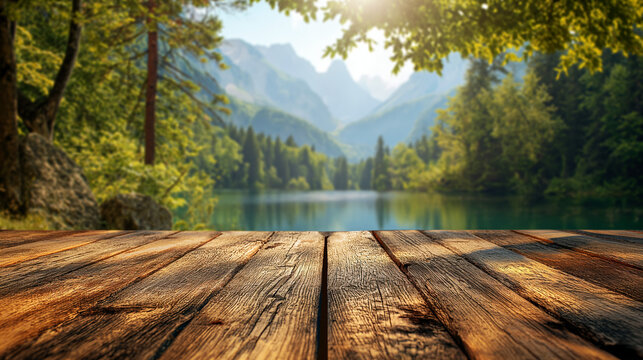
{"x": 257, "y": 161}
{"x": 576, "y": 134}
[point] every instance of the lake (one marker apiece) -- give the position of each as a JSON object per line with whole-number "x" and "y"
{"x": 370, "y": 210}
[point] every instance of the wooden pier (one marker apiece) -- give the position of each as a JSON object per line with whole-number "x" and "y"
{"x": 533, "y": 294}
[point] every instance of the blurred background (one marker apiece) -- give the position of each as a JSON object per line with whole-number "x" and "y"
{"x": 320, "y": 115}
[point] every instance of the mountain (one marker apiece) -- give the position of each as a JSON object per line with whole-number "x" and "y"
{"x": 264, "y": 118}
{"x": 408, "y": 113}
{"x": 377, "y": 87}
{"x": 274, "y": 122}
{"x": 424, "y": 83}
{"x": 251, "y": 78}
{"x": 400, "y": 123}
{"x": 346, "y": 100}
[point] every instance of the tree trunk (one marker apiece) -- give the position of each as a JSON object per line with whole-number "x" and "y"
{"x": 152, "y": 76}
{"x": 10, "y": 179}
{"x": 40, "y": 116}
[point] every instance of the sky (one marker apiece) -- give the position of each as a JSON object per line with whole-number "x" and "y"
{"x": 261, "y": 25}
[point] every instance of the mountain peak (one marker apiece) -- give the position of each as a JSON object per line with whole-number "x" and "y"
{"x": 285, "y": 49}
{"x": 338, "y": 67}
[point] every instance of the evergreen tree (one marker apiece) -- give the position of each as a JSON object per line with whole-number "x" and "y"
{"x": 268, "y": 153}
{"x": 366, "y": 176}
{"x": 340, "y": 180}
{"x": 281, "y": 162}
{"x": 381, "y": 177}
{"x": 290, "y": 141}
{"x": 252, "y": 157}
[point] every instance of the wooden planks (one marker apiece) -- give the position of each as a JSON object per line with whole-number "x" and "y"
{"x": 616, "y": 277}
{"x": 137, "y": 321}
{"x": 51, "y": 245}
{"x": 608, "y": 318}
{"x": 620, "y": 252}
{"x": 268, "y": 310}
{"x": 629, "y": 236}
{"x": 39, "y": 271}
{"x": 29, "y": 312}
{"x": 489, "y": 319}
{"x": 9, "y": 238}
{"x": 374, "y": 311}
{"x": 446, "y": 295}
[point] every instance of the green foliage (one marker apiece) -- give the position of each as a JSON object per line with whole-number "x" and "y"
{"x": 578, "y": 136}
{"x": 252, "y": 157}
{"x": 425, "y": 32}
{"x": 606, "y": 129}
{"x": 340, "y": 180}
{"x": 28, "y": 222}
{"x": 264, "y": 163}
{"x": 381, "y": 179}
{"x": 406, "y": 167}
{"x": 491, "y": 137}
{"x": 99, "y": 123}
{"x": 299, "y": 183}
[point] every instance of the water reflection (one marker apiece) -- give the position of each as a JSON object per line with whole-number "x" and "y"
{"x": 360, "y": 210}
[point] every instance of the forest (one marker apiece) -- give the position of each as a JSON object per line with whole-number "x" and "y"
{"x": 537, "y": 136}
{"x": 121, "y": 100}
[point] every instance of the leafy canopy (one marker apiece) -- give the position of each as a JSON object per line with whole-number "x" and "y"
{"x": 425, "y": 32}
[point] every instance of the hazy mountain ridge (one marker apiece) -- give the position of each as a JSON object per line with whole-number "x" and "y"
{"x": 409, "y": 112}
{"x": 376, "y": 86}
{"x": 345, "y": 98}
{"x": 276, "y": 123}
{"x": 252, "y": 78}
{"x": 282, "y": 104}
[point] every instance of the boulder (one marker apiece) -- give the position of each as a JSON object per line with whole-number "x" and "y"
{"x": 55, "y": 186}
{"x": 135, "y": 212}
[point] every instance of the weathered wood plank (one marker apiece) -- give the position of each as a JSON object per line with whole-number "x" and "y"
{"x": 623, "y": 235}
{"x": 490, "y": 320}
{"x": 373, "y": 309}
{"x": 268, "y": 310}
{"x": 39, "y": 271}
{"x": 9, "y": 238}
{"x": 20, "y": 253}
{"x": 608, "y": 318}
{"x": 137, "y": 321}
{"x": 616, "y": 277}
{"x": 28, "y": 313}
{"x": 623, "y": 253}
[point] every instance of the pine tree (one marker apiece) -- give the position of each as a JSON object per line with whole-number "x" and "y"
{"x": 252, "y": 157}
{"x": 365, "y": 179}
{"x": 381, "y": 177}
{"x": 281, "y": 162}
{"x": 340, "y": 180}
{"x": 291, "y": 141}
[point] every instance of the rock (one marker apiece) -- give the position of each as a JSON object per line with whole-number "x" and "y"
{"x": 55, "y": 186}
{"x": 135, "y": 212}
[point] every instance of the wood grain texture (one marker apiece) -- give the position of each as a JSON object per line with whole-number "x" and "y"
{"x": 9, "y": 238}
{"x": 629, "y": 254}
{"x": 23, "y": 252}
{"x": 28, "y": 313}
{"x": 616, "y": 277}
{"x": 490, "y": 320}
{"x": 137, "y": 321}
{"x": 268, "y": 310}
{"x": 623, "y": 235}
{"x": 36, "y": 272}
{"x": 608, "y": 318}
{"x": 374, "y": 311}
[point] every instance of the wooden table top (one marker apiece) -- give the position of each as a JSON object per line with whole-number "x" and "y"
{"x": 302, "y": 295}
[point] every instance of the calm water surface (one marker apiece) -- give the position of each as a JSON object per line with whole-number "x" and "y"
{"x": 370, "y": 210}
